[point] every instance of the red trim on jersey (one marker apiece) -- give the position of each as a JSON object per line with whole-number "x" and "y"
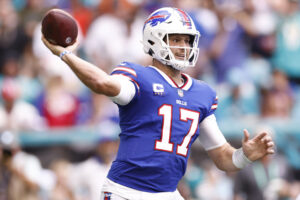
{"x": 214, "y": 106}
{"x": 125, "y": 69}
{"x": 174, "y": 82}
{"x": 131, "y": 79}
{"x": 185, "y": 82}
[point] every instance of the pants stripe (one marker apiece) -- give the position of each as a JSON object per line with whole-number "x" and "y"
{"x": 107, "y": 195}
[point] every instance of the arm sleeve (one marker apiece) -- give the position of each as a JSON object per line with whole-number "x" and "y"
{"x": 210, "y": 135}
{"x": 127, "y": 91}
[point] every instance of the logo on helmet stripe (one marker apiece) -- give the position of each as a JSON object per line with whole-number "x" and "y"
{"x": 157, "y": 18}
{"x": 186, "y": 20}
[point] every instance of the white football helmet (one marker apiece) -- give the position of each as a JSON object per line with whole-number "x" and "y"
{"x": 157, "y": 28}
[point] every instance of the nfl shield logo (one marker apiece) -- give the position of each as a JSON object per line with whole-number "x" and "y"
{"x": 180, "y": 92}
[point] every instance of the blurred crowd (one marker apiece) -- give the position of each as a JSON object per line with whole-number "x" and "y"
{"x": 249, "y": 52}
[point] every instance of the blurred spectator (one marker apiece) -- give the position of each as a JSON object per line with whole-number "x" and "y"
{"x": 267, "y": 179}
{"x": 60, "y": 107}
{"x": 286, "y": 56}
{"x": 238, "y": 102}
{"x": 88, "y": 176}
{"x": 17, "y": 115}
{"x": 193, "y": 177}
{"x": 102, "y": 109}
{"x": 61, "y": 189}
{"x": 113, "y": 37}
{"x": 23, "y": 72}
{"x": 23, "y": 169}
{"x": 216, "y": 185}
{"x": 83, "y": 14}
{"x": 229, "y": 47}
{"x": 30, "y": 15}
{"x": 5, "y": 175}
{"x": 10, "y": 66}
{"x": 277, "y": 101}
{"x": 12, "y": 35}
{"x": 241, "y": 23}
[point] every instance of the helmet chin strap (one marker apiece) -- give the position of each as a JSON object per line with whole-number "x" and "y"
{"x": 178, "y": 64}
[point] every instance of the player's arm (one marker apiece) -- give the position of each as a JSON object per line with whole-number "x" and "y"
{"x": 92, "y": 76}
{"x": 226, "y": 157}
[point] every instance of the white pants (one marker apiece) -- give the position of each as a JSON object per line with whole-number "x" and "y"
{"x": 115, "y": 191}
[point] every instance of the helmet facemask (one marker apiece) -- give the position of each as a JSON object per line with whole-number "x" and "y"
{"x": 190, "y": 53}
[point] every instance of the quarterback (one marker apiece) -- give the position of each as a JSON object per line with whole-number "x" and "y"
{"x": 162, "y": 112}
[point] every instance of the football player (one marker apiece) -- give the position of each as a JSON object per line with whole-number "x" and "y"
{"x": 162, "y": 112}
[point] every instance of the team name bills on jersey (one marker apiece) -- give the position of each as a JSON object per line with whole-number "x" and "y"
{"x": 180, "y": 102}
{"x": 158, "y": 127}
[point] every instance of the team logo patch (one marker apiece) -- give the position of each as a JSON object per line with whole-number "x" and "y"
{"x": 107, "y": 195}
{"x": 180, "y": 92}
{"x": 158, "y": 89}
{"x": 157, "y": 18}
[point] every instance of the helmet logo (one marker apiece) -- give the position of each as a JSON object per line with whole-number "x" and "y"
{"x": 157, "y": 17}
{"x": 186, "y": 20}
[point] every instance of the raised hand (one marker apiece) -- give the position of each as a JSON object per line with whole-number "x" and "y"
{"x": 257, "y": 147}
{"x": 56, "y": 49}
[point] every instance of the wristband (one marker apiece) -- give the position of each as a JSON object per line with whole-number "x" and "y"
{"x": 239, "y": 159}
{"x": 61, "y": 55}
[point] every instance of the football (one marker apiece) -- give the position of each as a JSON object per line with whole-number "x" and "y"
{"x": 59, "y": 28}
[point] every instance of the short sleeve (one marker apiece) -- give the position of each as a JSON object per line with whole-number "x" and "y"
{"x": 125, "y": 69}
{"x": 214, "y": 104}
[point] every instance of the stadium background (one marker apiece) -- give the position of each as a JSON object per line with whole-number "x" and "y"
{"x": 249, "y": 52}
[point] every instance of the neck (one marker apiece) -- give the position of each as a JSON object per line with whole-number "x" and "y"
{"x": 174, "y": 74}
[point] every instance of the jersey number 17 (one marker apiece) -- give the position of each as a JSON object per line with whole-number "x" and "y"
{"x": 165, "y": 144}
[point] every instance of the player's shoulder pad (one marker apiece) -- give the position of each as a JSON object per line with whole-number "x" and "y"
{"x": 128, "y": 69}
{"x": 209, "y": 91}
{"x": 204, "y": 86}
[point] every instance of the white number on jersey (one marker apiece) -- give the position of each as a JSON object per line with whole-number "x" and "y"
{"x": 164, "y": 144}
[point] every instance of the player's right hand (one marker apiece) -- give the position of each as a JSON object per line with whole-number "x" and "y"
{"x": 56, "y": 49}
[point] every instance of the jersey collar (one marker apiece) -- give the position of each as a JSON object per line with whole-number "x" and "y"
{"x": 185, "y": 86}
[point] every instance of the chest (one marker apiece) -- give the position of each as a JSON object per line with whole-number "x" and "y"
{"x": 160, "y": 98}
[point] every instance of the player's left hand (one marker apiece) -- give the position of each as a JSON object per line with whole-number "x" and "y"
{"x": 257, "y": 147}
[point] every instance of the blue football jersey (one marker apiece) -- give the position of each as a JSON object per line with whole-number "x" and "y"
{"x": 158, "y": 128}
